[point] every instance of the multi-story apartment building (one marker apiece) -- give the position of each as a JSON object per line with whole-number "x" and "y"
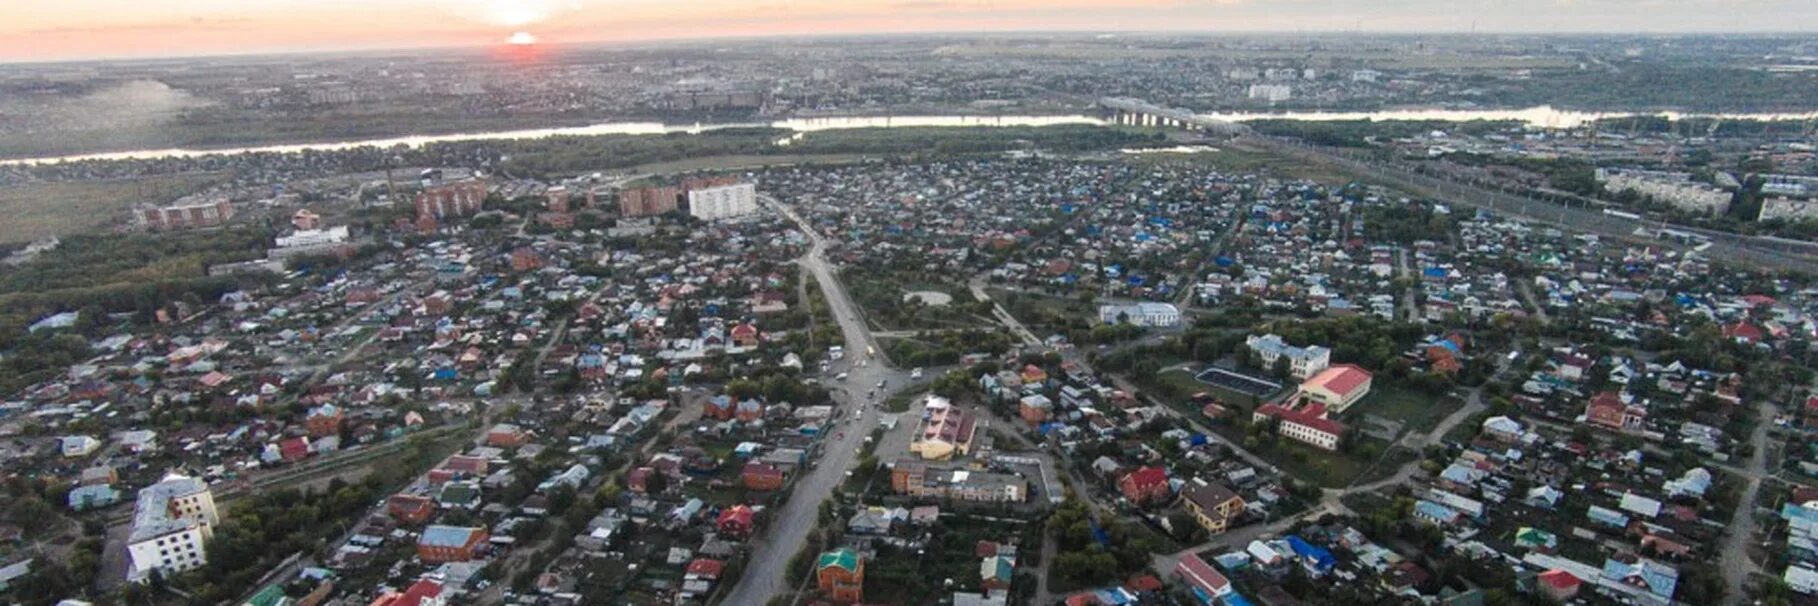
{"x": 172, "y": 524}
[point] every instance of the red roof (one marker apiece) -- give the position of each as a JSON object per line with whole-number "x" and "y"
{"x": 1201, "y": 574}
{"x": 1559, "y": 579}
{"x": 738, "y": 513}
{"x": 1311, "y": 416}
{"x": 704, "y": 567}
{"x": 1148, "y": 476}
{"x": 1341, "y": 379}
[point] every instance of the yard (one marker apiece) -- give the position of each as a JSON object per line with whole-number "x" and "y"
{"x": 1416, "y": 411}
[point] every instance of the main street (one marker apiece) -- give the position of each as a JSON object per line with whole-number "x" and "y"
{"x": 789, "y": 527}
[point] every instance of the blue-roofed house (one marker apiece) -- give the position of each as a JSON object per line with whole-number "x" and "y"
{"x": 1657, "y": 579}
{"x": 1315, "y": 559}
{"x": 1434, "y": 513}
{"x": 1607, "y": 517}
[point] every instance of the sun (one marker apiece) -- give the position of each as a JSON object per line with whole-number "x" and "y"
{"x": 521, "y": 39}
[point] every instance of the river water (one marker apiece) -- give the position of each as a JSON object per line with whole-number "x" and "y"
{"x": 1542, "y": 117}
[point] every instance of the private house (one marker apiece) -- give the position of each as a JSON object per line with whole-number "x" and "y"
{"x": 440, "y": 544}
{"x": 841, "y": 575}
{"x": 1145, "y": 485}
{"x": 758, "y": 475}
{"x": 1213, "y": 505}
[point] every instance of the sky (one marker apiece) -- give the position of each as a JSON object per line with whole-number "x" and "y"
{"x": 42, "y": 30}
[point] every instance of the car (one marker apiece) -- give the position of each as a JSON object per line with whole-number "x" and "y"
{"x": 915, "y": 374}
{"x": 841, "y": 377}
{"x": 882, "y": 383}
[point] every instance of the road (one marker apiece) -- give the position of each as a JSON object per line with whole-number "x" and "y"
{"x": 789, "y": 528}
{"x": 1735, "y": 560}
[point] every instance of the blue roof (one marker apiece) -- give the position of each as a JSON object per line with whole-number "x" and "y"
{"x": 446, "y": 536}
{"x": 1235, "y": 599}
{"x": 1434, "y": 272}
{"x": 1319, "y": 556}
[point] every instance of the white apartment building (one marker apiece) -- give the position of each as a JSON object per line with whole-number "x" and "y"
{"x": 724, "y": 202}
{"x": 172, "y": 523}
{"x": 1789, "y": 209}
{"x": 1303, "y": 362}
{"x": 1273, "y": 93}
{"x": 1676, "y": 189}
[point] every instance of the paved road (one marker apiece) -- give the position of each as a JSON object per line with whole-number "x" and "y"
{"x": 789, "y": 528}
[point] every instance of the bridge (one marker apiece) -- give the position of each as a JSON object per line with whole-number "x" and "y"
{"x": 1136, "y": 112}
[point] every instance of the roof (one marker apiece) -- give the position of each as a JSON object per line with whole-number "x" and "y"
{"x": 151, "y": 515}
{"x": 1559, "y": 579}
{"x": 447, "y": 536}
{"x": 1341, "y": 379}
{"x": 1148, "y": 476}
{"x": 1208, "y": 495}
{"x": 1202, "y": 575}
{"x": 842, "y": 557}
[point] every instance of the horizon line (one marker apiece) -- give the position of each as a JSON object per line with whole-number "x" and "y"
{"x": 634, "y": 43}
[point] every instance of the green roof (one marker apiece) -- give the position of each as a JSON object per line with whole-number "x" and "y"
{"x": 842, "y": 557}
{"x": 270, "y": 596}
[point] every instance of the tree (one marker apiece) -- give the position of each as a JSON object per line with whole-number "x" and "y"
{"x": 656, "y": 483}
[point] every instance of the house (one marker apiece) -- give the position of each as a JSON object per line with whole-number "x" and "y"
{"x": 1337, "y": 387}
{"x": 422, "y": 593}
{"x": 439, "y": 544}
{"x": 1658, "y": 581}
{"x": 841, "y": 575}
{"x": 1558, "y": 585}
{"x": 1035, "y": 409}
{"x": 1436, "y": 514}
{"x": 1206, "y": 582}
{"x": 995, "y": 572}
{"x": 744, "y": 335}
{"x": 1145, "y": 485}
{"x": 506, "y": 435}
{"x": 761, "y": 476}
{"x": 409, "y": 508}
{"x": 1607, "y": 410}
{"x": 1801, "y": 578}
{"x": 78, "y": 446}
{"x": 736, "y": 521}
{"x": 324, "y": 421}
{"x": 1213, "y": 505}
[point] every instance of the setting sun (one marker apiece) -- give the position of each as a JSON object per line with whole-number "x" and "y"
{"x": 521, "y": 39}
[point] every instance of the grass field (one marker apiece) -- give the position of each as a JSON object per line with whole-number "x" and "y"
{"x": 44, "y": 209}
{"x": 1417, "y": 411}
{"x": 746, "y": 161}
{"x": 1237, "y": 159}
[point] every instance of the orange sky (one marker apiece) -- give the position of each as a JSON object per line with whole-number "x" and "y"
{"x": 32, "y": 30}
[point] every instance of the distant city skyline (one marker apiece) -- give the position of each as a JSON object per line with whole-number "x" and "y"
{"x": 101, "y": 29}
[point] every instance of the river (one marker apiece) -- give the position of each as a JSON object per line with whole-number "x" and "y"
{"x": 1540, "y": 117}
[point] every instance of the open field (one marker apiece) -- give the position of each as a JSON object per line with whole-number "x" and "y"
{"x": 1416, "y": 411}
{"x": 738, "y": 162}
{"x": 1234, "y": 157}
{"x": 38, "y": 210}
